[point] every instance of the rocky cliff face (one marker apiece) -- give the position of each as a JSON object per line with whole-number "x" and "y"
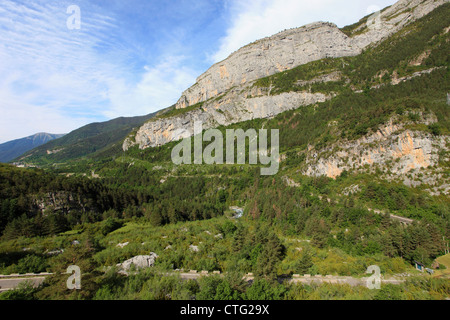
{"x": 291, "y": 48}
{"x": 226, "y": 92}
{"x": 61, "y": 201}
{"x": 268, "y": 56}
{"x": 397, "y": 152}
{"x": 232, "y": 108}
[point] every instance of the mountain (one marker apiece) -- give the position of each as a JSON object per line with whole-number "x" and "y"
{"x": 394, "y": 77}
{"x": 13, "y": 149}
{"x": 363, "y": 180}
{"x": 91, "y": 140}
{"x": 229, "y": 92}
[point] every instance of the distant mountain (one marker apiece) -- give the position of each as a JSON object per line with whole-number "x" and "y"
{"x": 13, "y": 149}
{"x": 88, "y": 141}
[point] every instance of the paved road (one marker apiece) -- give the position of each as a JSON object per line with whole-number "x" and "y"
{"x": 305, "y": 280}
{"x": 12, "y": 283}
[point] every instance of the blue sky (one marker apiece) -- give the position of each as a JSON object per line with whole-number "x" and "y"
{"x": 129, "y": 57}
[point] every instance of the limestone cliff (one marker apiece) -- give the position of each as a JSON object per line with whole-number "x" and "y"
{"x": 268, "y": 56}
{"x": 291, "y": 48}
{"x": 232, "y": 108}
{"x": 394, "y": 150}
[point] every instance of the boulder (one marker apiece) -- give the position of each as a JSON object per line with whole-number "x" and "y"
{"x": 139, "y": 262}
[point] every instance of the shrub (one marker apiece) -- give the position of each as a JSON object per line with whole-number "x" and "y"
{"x": 32, "y": 264}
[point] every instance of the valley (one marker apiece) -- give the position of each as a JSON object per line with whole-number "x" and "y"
{"x": 363, "y": 179}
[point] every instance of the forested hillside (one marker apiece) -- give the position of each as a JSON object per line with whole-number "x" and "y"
{"x": 102, "y": 210}
{"x": 92, "y": 140}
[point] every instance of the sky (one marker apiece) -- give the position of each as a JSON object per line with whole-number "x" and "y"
{"x": 65, "y": 64}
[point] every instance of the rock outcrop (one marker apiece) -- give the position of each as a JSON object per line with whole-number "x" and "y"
{"x": 398, "y": 152}
{"x": 139, "y": 262}
{"x": 268, "y": 56}
{"x": 233, "y": 108}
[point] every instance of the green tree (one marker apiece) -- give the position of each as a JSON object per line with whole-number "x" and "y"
{"x": 270, "y": 256}
{"x": 262, "y": 289}
{"x": 304, "y": 263}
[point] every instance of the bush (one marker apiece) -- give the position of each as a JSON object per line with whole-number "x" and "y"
{"x": 109, "y": 225}
{"x": 262, "y": 289}
{"x": 435, "y": 129}
{"x": 25, "y": 291}
{"x": 32, "y": 264}
{"x": 389, "y": 292}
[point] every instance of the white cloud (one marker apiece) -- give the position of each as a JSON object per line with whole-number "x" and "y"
{"x": 253, "y": 20}
{"x": 159, "y": 87}
{"x": 51, "y": 71}
{"x": 56, "y": 80}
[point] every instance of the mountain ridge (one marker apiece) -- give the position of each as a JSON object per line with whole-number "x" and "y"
{"x": 231, "y": 97}
{"x": 88, "y": 141}
{"x": 15, "y": 148}
{"x": 286, "y": 50}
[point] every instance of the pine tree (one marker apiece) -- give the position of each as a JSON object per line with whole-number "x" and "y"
{"x": 304, "y": 263}
{"x": 156, "y": 218}
{"x": 269, "y": 257}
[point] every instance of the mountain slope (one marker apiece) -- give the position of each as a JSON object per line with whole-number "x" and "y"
{"x": 13, "y": 149}
{"x": 291, "y": 48}
{"x": 229, "y": 92}
{"x": 88, "y": 141}
{"x": 383, "y": 111}
{"x": 364, "y": 141}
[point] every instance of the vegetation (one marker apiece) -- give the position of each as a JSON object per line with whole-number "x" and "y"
{"x": 139, "y": 202}
{"x": 96, "y": 139}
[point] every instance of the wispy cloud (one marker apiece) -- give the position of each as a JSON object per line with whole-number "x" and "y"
{"x": 50, "y": 69}
{"x": 56, "y": 79}
{"x": 159, "y": 87}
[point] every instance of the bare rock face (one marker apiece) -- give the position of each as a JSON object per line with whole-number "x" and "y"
{"x": 231, "y": 109}
{"x": 268, "y": 56}
{"x": 295, "y": 47}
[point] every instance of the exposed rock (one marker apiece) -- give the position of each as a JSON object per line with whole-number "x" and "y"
{"x": 334, "y": 76}
{"x": 403, "y": 152}
{"x": 61, "y": 201}
{"x": 194, "y": 248}
{"x": 54, "y": 252}
{"x": 420, "y": 59}
{"x": 49, "y": 152}
{"x": 353, "y": 189}
{"x": 291, "y": 183}
{"x": 294, "y": 47}
{"x": 139, "y": 262}
{"x": 283, "y": 51}
{"x": 233, "y": 108}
